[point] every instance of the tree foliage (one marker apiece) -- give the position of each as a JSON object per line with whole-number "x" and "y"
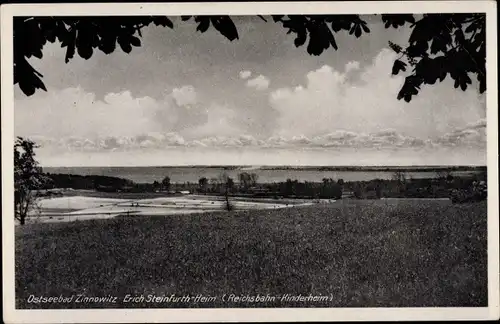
{"x": 248, "y": 180}
{"x": 439, "y": 44}
{"x": 165, "y": 183}
{"x": 28, "y": 178}
{"x": 228, "y": 184}
{"x": 203, "y": 183}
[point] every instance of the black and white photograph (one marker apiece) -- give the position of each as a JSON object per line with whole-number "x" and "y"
{"x": 308, "y": 157}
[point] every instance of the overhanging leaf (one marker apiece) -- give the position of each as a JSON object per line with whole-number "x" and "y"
{"x": 83, "y": 44}
{"x": 357, "y": 31}
{"x": 301, "y": 38}
{"x": 225, "y": 26}
{"x": 365, "y": 27}
{"x": 203, "y": 25}
{"x": 124, "y": 44}
{"x": 163, "y": 21}
{"x": 398, "y": 66}
{"x": 70, "y": 51}
{"x": 135, "y": 41}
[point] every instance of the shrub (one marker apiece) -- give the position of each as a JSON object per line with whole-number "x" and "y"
{"x": 477, "y": 192}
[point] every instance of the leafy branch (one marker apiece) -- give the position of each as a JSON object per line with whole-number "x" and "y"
{"x": 439, "y": 44}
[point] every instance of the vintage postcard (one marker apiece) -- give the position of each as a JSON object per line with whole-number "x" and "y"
{"x": 248, "y": 162}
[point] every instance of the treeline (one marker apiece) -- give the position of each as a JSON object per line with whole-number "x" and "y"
{"x": 103, "y": 183}
{"x": 288, "y": 189}
{"x": 328, "y": 189}
{"x": 442, "y": 187}
{"x": 459, "y": 188}
{"x": 87, "y": 182}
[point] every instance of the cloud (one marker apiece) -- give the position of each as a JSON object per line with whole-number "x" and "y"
{"x": 185, "y": 95}
{"x": 220, "y": 120}
{"x": 346, "y": 139}
{"x": 352, "y": 66}
{"x": 76, "y": 113}
{"x": 245, "y": 74}
{"x": 112, "y": 143}
{"x": 260, "y": 83}
{"x": 224, "y": 141}
{"x": 309, "y": 109}
{"x": 473, "y": 135}
{"x": 479, "y": 124}
{"x": 331, "y": 109}
{"x": 331, "y": 100}
{"x": 123, "y": 122}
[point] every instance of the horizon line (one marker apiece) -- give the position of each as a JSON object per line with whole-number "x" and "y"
{"x": 442, "y": 166}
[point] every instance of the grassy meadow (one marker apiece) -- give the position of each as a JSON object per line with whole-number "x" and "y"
{"x": 361, "y": 253}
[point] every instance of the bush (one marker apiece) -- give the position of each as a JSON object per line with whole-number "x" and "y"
{"x": 477, "y": 192}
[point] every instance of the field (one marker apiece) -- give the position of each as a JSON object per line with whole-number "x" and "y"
{"x": 360, "y": 253}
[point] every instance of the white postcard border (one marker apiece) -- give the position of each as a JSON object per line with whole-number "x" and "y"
{"x": 12, "y": 315}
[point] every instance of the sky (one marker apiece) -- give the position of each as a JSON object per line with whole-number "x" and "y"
{"x": 187, "y": 98}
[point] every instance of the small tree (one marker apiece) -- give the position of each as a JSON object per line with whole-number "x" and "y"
{"x": 248, "y": 180}
{"x": 202, "y": 183}
{"x": 449, "y": 178}
{"x": 400, "y": 178}
{"x": 378, "y": 189}
{"x": 254, "y": 177}
{"x": 165, "y": 184}
{"x": 214, "y": 184}
{"x": 441, "y": 174}
{"x": 358, "y": 190}
{"x": 444, "y": 177}
{"x": 28, "y": 178}
{"x": 228, "y": 186}
{"x": 330, "y": 189}
{"x": 290, "y": 187}
{"x": 243, "y": 179}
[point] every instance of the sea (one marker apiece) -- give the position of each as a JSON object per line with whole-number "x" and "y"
{"x": 272, "y": 174}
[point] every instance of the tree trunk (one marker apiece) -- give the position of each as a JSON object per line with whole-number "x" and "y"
{"x": 228, "y": 206}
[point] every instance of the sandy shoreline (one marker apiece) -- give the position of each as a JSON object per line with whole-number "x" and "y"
{"x": 72, "y": 208}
